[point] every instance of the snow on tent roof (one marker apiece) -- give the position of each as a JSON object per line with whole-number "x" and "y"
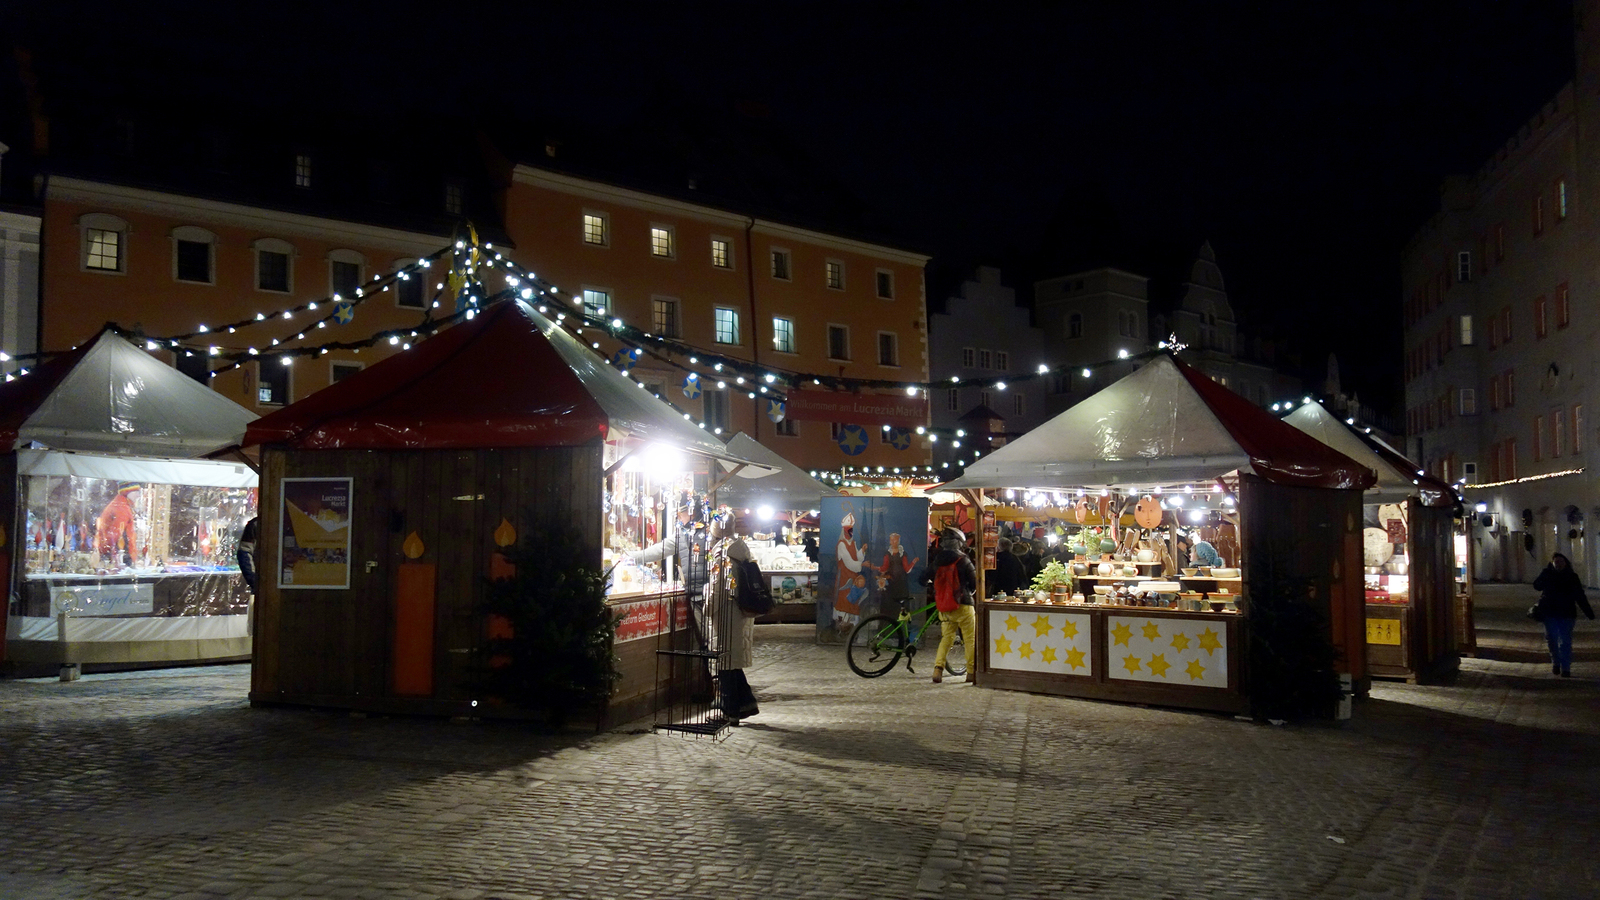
{"x": 507, "y": 378}
{"x": 785, "y": 486}
{"x": 109, "y": 396}
{"x": 1166, "y": 422}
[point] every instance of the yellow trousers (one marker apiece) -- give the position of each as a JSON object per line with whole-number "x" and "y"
{"x": 965, "y": 619}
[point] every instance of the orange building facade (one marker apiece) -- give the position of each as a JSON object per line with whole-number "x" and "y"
{"x": 792, "y": 299}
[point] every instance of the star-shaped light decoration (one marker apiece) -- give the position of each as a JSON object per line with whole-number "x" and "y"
{"x": 343, "y": 313}
{"x": 1195, "y": 670}
{"x": 1209, "y": 642}
{"x": 1122, "y": 632}
{"x": 852, "y": 440}
{"x": 1041, "y": 626}
{"x": 1151, "y": 632}
{"x": 1002, "y": 645}
{"x": 1159, "y": 665}
{"x": 1075, "y": 658}
{"x": 1172, "y": 344}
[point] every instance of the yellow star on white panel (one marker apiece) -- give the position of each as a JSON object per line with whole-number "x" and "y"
{"x": 1048, "y": 656}
{"x": 1151, "y": 632}
{"x": 1041, "y": 626}
{"x": 1026, "y": 650}
{"x": 1195, "y": 670}
{"x": 1180, "y": 641}
{"x": 1209, "y": 642}
{"x": 1012, "y": 623}
{"x": 1131, "y": 663}
{"x": 1159, "y": 665}
{"x": 1122, "y": 632}
{"x": 1002, "y": 645}
{"x": 1075, "y": 658}
{"x": 1069, "y": 629}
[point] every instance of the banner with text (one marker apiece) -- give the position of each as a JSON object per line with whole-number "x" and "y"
{"x": 858, "y": 409}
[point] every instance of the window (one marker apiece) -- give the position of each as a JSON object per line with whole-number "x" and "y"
{"x": 1561, "y": 200}
{"x": 339, "y": 370}
{"x": 786, "y": 427}
{"x": 1494, "y": 393}
{"x": 1464, "y": 266}
{"x": 1538, "y": 438}
{"x": 344, "y": 272}
{"x": 194, "y": 365}
{"x": 596, "y": 229}
{"x": 833, "y": 271}
{"x": 661, "y": 242}
{"x": 455, "y": 197}
{"x": 985, "y": 398}
{"x": 727, "y": 325}
{"x": 782, "y": 334}
{"x": 1538, "y": 229}
{"x": 1060, "y": 383}
{"x": 274, "y": 265}
{"x": 985, "y": 359}
{"x": 1505, "y": 325}
{"x": 1563, "y": 308}
{"x": 1018, "y": 404}
{"x": 664, "y": 317}
{"x": 193, "y": 254}
{"x": 716, "y": 410}
{"x": 1539, "y": 319}
{"x": 1511, "y": 388}
{"x": 1577, "y": 428}
{"x": 410, "y": 288}
{"x": 302, "y": 170}
{"x": 780, "y": 264}
{"x": 1466, "y": 331}
{"x": 1558, "y": 433}
{"x": 954, "y": 403}
{"x": 1075, "y": 325}
{"x": 1467, "y": 405}
{"x": 885, "y": 284}
{"x": 1510, "y": 469}
{"x": 1122, "y": 323}
{"x": 969, "y": 357}
{"x": 722, "y": 253}
{"x": 888, "y": 349}
{"x": 1002, "y": 360}
{"x": 838, "y": 342}
{"x": 272, "y": 382}
{"x": 105, "y": 238}
{"x": 1499, "y": 243}
{"x": 596, "y": 304}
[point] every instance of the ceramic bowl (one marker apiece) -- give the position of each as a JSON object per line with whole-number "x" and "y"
{"x": 1191, "y": 572}
{"x": 1225, "y": 573}
{"x": 1102, "y": 589}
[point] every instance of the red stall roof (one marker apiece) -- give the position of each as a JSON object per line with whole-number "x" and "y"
{"x": 507, "y": 378}
{"x": 1165, "y": 423}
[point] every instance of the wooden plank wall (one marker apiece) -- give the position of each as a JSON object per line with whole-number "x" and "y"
{"x": 1433, "y": 587}
{"x": 1315, "y": 534}
{"x": 333, "y": 647}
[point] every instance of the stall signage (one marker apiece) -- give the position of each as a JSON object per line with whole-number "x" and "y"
{"x": 314, "y": 535}
{"x": 648, "y": 618}
{"x": 103, "y": 599}
{"x": 874, "y": 410}
{"x": 1383, "y": 631}
{"x": 1397, "y": 531}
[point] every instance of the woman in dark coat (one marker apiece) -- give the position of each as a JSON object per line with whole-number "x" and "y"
{"x": 1561, "y": 598}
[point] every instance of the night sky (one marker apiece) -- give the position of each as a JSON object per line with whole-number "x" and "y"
{"x": 1306, "y": 141}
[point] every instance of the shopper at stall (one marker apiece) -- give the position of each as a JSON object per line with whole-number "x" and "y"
{"x": 1008, "y": 575}
{"x": 1204, "y": 554}
{"x": 247, "y": 554}
{"x": 733, "y": 628}
{"x": 687, "y": 541}
{"x": 955, "y": 582}
{"x": 1561, "y": 598}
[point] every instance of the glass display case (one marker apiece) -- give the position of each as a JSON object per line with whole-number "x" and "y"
{"x": 642, "y": 499}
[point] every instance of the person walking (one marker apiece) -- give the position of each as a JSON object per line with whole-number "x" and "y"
{"x": 955, "y": 582}
{"x": 1559, "y": 601}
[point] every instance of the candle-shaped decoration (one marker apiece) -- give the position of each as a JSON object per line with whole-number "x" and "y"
{"x": 2, "y": 535}
{"x": 505, "y": 535}
{"x": 412, "y": 547}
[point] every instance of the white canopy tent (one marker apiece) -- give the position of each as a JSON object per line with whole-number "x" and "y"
{"x": 782, "y": 486}
{"x": 1394, "y": 485}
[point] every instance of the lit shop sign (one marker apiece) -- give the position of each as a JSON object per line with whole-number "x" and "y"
{"x": 858, "y": 409}
{"x": 102, "y": 599}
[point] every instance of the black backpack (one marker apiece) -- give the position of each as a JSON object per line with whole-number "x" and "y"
{"x": 750, "y": 588}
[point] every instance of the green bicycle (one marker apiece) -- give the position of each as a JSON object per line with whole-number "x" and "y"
{"x": 879, "y": 641}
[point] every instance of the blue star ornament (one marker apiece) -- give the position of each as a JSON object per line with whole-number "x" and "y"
{"x": 852, "y": 440}
{"x": 691, "y": 385}
{"x": 776, "y": 410}
{"x": 900, "y": 438}
{"x": 344, "y": 313}
{"x": 625, "y": 359}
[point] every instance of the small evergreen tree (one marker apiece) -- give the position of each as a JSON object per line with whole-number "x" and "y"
{"x": 559, "y": 658}
{"x": 1292, "y": 655}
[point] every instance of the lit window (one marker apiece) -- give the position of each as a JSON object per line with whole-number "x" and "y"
{"x": 664, "y": 316}
{"x": 885, "y": 284}
{"x": 594, "y": 230}
{"x": 661, "y": 241}
{"x": 969, "y": 357}
{"x": 722, "y": 253}
{"x": 596, "y": 304}
{"x": 888, "y": 349}
{"x": 1561, "y": 200}
{"x": 104, "y": 250}
{"x": 782, "y": 334}
{"x": 272, "y": 382}
{"x": 780, "y": 264}
{"x": 1466, "y": 331}
{"x": 838, "y": 342}
{"x": 835, "y": 274}
{"x": 302, "y": 170}
{"x": 727, "y": 321}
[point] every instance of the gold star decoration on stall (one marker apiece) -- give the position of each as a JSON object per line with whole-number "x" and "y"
{"x": 1209, "y": 642}
{"x": 1002, "y": 645}
{"x": 1159, "y": 665}
{"x": 1012, "y": 623}
{"x": 1180, "y": 641}
{"x": 1048, "y": 656}
{"x": 1069, "y": 629}
{"x": 1075, "y": 658}
{"x": 1025, "y": 651}
{"x": 1195, "y": 670}
{"x": 1151, "y": 632}
{"x": 1131, "y": 663}
{"x": 1041, "y": 626}
{"x": 1122, "y": 632}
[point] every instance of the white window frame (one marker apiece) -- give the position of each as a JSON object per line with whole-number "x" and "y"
{"x": 985, "y": 359}
{"x": 349, "y": 257}
{"x": 786, "y": 427}
{"x": 663, "y": 234}
{"x": 716, "y": 398}
{"x": 103, "y": 222}
{"x": 716, "y": 326}
{"x": 1464, "y": 266}
{"x": 1002, "y": 361}
{"x": 194, "y": 234}
{"x": 727, "y": 243}
{"x": 842, "y": 329}
{"x": 877, "y": 284}
{"x": 303, "y": 170}
{"x": 334, "y": 365}
{"x": 677, "y": 316}
{"x": 288, "y": 374}
{"x": 969, "y": 358}
{"x": 605, "y": 228}
{"x": 274, "y": 245}
{"x": 788, "y": 263}
{"x": 1467, "y": 402}
{"x": 827, "y": 274}
{"x": 418, "y": 277}
{"x": 588, "y": 291}
{"x": 894, "y": 340}
{"x": 788, "y": 323}
{"x": 455, "y": 197}
{"x": 1465, "y": 335}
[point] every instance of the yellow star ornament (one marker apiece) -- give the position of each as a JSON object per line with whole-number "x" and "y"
{"x": 1012, "y": 624}
{"x": 1159, "y": 665}
{"x": 1151, "y": 632}
{"x": 1131, "y": 663}
{"x": 1122, "y": 632}
{"x": 1180, "y": 641}
{"x": 1195, "y": 670}
{"x": 1209, "y": 642}
{"x": 1002, "y": 645}
{"x": 1075, "y": 659}
{"x": 1041, "y": 626}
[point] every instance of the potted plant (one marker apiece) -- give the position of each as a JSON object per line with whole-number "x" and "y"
{"x": 1053, "y": 578}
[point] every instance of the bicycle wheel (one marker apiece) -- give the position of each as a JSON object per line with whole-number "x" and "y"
{"x": 874, "y": 646}
{"x": 955, "y": 662}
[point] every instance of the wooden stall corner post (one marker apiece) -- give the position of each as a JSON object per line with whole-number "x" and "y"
{"x": 980, "y": 630}
{"x": 416, "y": 598}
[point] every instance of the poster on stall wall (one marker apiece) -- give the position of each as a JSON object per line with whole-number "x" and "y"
{"x": 873, "y": 553}
{"x": 314, "y": 547}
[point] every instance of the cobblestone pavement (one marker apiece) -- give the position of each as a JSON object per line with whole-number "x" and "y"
{"x": 168, "y": 785}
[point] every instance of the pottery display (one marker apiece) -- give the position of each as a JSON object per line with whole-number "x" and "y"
{"x": 1145, "y": 554}
{"x": 1080, "y": 568}
{"x": 1106, "y": 569}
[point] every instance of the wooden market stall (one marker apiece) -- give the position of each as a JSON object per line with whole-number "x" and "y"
{"x": 1172, "y": 442}
{"x": 117, "y": 543}
{"x": 1408, "y": 546}
{"x": 387, "y": 498}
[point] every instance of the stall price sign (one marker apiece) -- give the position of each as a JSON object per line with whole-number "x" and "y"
{"x": 1397, "y": 531}
{"x": 1383, "y": 631}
